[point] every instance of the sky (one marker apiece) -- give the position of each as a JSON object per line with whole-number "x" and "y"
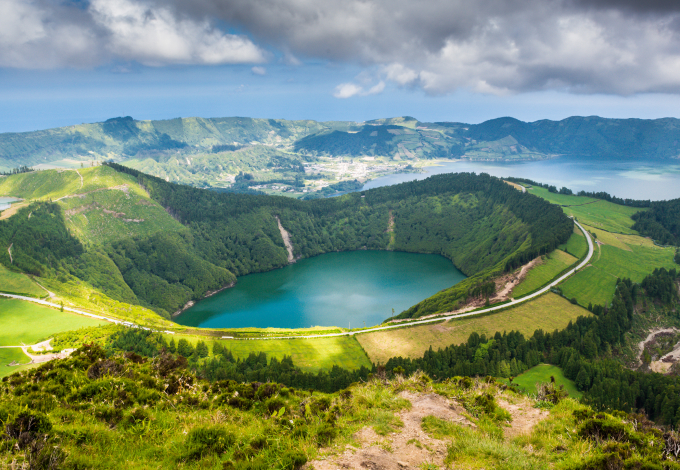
{"x": 66, "y": 62}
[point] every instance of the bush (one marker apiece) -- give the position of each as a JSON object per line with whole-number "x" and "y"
{"x": 204, "y": 440}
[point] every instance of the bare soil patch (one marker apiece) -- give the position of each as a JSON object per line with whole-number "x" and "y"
{"x": 524, "y": 417}
{"x": 409, "y": 448}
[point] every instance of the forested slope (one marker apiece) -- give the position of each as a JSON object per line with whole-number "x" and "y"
{"x": 483, "y": 225}
{"x": 177, "y": 242}
{"x": 661, "y": 222}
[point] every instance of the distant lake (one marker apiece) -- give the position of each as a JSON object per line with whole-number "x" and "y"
{"x": 632, "y": 179}
{"x": 335, "y": 289}
{"x": 5, "y": 202}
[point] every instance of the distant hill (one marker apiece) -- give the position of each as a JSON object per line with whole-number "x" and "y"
{"x": 152, "y": 144}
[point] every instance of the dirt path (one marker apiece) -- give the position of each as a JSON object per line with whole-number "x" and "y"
{"x": 409, "y": 448}
{"x": 286, "y": 240}
{"x": 81, "y": 179}
{"x": 390, "y": 224}
{"x": 49, "y": 293}
{"x": 9, "y": 250}
{"x": 524, "y": 416}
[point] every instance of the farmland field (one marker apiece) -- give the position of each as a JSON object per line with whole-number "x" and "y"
{"x": 547, "y": 312}
{"x": 20, "y": 284}
{"x": 596, "y": 282}
{"x": 9, "y": 355}
{"x": 308, "y": 354}
{"x": 542, "y": 373}
{"x": 23, "y": 322}
{"x": 552, "y": 264}
{"x": 576, "y": 245}
{"x": 596, "y": 213}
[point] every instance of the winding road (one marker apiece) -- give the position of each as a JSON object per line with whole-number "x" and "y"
{"x": 351, "y": 333}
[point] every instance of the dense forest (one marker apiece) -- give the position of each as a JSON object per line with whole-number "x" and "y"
{"x": 661, "y": 222}
{"x": 483, "y": 225}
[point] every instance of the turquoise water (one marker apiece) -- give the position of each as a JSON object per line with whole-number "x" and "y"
{"x": 335, "y": 289}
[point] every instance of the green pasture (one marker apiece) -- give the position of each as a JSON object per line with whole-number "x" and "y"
{"x": 560, "y": 199}
{"x": 9, "y": 355}
{"x": 308, "y": 354}
{"x": 576, "y": 245}
{"x": 548, "y": 312}
{"x": 550, "y": 266}
{"x": 19, "y": 284}
{"x": 597, "y": 213}
{"x": 23, "y": 322}
{"x": 542, "y": 373}
{"x": 596, "y": 282}
{"x": 55, "y": 184}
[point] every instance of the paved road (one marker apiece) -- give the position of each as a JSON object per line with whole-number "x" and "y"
{"x": 350, "y": 333}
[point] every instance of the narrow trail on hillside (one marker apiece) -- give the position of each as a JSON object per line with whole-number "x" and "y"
{"x": 286, "y": 240}
{"x": 9, "y": 250}
{"x": 81, "y": 179}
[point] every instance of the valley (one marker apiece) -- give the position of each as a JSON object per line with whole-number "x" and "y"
{"x": 549, "y": 284}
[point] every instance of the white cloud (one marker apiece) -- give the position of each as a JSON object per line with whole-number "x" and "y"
{"x": 157, "y": 37}
{"x": 258, "y": 70}
{"x": 347, "y": 90}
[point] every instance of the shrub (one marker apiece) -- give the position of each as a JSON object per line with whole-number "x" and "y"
{"x": 204, "y": 440}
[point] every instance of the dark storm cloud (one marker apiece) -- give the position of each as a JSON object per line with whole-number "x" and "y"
{"x": 636, "y": 6}
{"x": 488, "y": 46}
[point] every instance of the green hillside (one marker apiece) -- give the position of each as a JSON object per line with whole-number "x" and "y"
{"x": 143, "y": 241}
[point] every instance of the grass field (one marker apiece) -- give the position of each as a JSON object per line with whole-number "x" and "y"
{"x": 552, "y": 264}
{"x": 576, "y": 245}
{"x": 541, "y": 373}
{"x": 20, "y": 284}
{"x": 28, "y": 323}
{"x": 547, "y": 312}
{"x": 596, "y": 213}
{"x": 630, "y": 257}
{"x": 308, "y": 354}
{"x": 9, "y": 355}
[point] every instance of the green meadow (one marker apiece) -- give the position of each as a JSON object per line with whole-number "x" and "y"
{"x": 24, "y": 322}
{"x": 596, "y": 282}
{"x": 550, "y": 266}
{"x": 594, "y": 212}
{"x": 577, "y": 245}
{"x": 308, "y": 354}
{"x": 20, "y": 284}
{"x": 542, "y": 373}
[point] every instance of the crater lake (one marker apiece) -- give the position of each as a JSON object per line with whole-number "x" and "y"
{"x": 334, "y": 289}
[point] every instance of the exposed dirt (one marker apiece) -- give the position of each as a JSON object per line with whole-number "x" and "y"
{"x": 394, "y": 451}
{"x": 524, "y": 417}
{"x": 652, "y": 339}
{"x": 286, "y": 241}
{"x": 390, "y": 224}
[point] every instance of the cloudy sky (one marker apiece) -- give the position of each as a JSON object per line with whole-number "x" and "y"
{"x": 70, "y": 61}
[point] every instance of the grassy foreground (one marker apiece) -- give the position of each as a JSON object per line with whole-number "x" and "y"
{"x": 548, "y": 312}
{"x": 94, "y": 411}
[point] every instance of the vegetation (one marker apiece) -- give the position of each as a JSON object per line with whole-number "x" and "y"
{"x": 661, "y": 222}
{"x": 576, "y": 246}
{"x": 596, "y": 283}
{"x": 168, "y": 417}
{"x": 27, "y": 323}
{"x": 550, "y": 266}
{"x": 545, "y": 373}
{"x": 593, "y": 212}
{"x": 548, "y": 312}
{"x": 16, "y": 283}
